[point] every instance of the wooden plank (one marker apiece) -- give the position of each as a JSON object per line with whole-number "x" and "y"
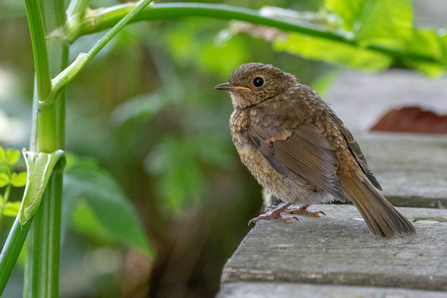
{"x": 430, "y": 13}
{"x": 259, "y": 290}
{"x": 412, "y": 169}
{"x": 338, "y": 249}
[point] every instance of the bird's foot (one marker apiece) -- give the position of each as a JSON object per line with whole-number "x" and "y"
{"x": 302, "y": 210}
{"x": 275, "y": 213}
{"x": 283, "y": 213}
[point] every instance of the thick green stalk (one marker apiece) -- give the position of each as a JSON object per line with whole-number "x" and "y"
{"x": 42, "y": 262}
{"x": 76, "y": 7}
{"x": 44, "y": 139}
{"x": 42, "y": 265}
{"x": 39, "y": 47}
{"x": 101, "y": 19}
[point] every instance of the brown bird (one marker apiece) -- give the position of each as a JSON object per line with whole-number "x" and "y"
{"x": 297, "y": 148}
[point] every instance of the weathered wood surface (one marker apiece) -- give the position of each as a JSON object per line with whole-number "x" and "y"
{"x": 430, "y": 13}
{"x": 257, "y": 290}
{"x": 412, "y": 169}
{"x": 337, "y": 249}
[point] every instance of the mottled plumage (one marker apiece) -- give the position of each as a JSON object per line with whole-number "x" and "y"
{"x": 296, "y": 147}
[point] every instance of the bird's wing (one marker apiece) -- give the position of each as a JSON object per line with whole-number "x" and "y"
{"x": 302, "y": 150}
{"x": 356, "y": 152}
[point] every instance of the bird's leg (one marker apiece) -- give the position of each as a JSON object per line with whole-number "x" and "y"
{"x": 302, "y": 210}
{"x": 287, "y": 208}
{"x": 273, "y": 214}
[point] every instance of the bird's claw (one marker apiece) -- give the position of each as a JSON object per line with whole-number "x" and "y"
{"x": 302, "y": 210}
{"x": 267, "y": 216}
{"x": 287, "y": 209}
{"x": 275, "y": 213}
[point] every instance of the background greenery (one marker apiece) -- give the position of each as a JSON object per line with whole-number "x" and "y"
{"x": 145, "y": 125}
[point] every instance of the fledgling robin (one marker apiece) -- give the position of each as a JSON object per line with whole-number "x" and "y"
{"x": 297, "y": 148}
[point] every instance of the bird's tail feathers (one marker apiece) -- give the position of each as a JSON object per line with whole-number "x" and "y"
{"x": 382, "y": 218}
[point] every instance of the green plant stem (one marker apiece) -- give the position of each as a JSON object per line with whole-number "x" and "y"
{"x": 75, "y": 12}
{"x": 39, "y": 48}
{"x": 42, "y": 261}
{"x": 49, "y": 136}
{"x": 76, "y": 7}
{"x": 42, "y": 265}
{"x": 71, "y": 71}
{"x": 11, "y": 250}
{"x": 5, "y": 199}
{"x": 101, "y": 19}
{"x": 7, "y": 192}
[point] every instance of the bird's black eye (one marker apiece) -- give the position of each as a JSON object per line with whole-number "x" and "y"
{"x": 258, "y": 82}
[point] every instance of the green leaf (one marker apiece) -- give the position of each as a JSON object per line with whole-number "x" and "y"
{"x": 86, "y": 222}
{"x": 348, "y": 10}
{"x": 432, "y": 70}
{"x": 12, "y": 156}
{"x": 388, "y": 22}
{"x": 443, "y": 42}
{"x": 18, "y": 180}
{"x": 11, "y": 208}
{"x": 427, "y": 42}
{"x": 340, "y": 53}
{"x": 39, "y": 168}
{"x": 100, "y": 207}
{"x": 385, "y": 22}
{"x": 4, "y": 179}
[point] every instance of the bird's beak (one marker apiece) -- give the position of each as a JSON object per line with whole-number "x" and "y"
{"x": 229, "y": 87}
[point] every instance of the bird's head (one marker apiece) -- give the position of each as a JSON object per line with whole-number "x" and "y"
{"x": 253, "y": 83}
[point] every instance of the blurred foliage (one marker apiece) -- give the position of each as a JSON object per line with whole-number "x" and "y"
{"x": 379, "y": 34}
{"x": 8, "y": 178}
{"x": 96, "y": 206}
{"x": 144, "y": 124}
